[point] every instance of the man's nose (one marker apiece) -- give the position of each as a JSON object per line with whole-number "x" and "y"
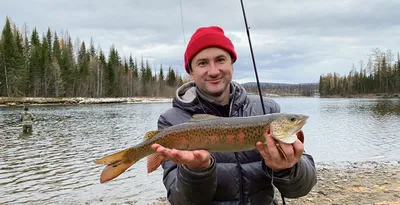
{"x": 213, "y": 71}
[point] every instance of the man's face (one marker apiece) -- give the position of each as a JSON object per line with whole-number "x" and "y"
{"x": 212, "y": 71}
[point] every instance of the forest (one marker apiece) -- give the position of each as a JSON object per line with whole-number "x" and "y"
{"x": 52, "y": 65}
{"x": 380, "y": 76}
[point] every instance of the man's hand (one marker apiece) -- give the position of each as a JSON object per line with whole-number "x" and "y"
{"x": 192, "y": 159}
{"x": 273, "y": 158}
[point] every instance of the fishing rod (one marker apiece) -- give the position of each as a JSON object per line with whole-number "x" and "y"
{"x": 252, "y": 56}
{"x": 256, "y": 73}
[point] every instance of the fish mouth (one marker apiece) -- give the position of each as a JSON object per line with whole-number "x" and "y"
{"x": 299, "y": 132}
{"x": 301, "y": 123}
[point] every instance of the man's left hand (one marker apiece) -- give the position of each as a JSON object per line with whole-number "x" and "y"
{"x": 273, "y": 158}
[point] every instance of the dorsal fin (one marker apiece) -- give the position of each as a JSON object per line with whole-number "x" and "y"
{"x": 200, "y": 117}
{"x": 150, "y": 134}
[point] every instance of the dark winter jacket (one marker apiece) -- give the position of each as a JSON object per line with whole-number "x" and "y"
{"x": 232, "y": 178}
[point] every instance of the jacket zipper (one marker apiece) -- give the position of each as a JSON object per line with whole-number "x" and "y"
{"x": 241, "y": 179}
{"x": 237, "y": 161}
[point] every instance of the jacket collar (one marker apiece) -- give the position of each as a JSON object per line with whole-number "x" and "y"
{"x": 189, "y": 98}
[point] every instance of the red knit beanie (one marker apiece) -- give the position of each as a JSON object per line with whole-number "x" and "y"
{"x": 205, "y": 37}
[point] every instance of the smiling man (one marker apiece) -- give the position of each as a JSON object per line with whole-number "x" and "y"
{"x": 201, "y": 177}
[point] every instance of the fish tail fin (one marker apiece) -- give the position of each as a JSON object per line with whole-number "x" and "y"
{"x": 116, "y": 163}
{"x": 153, "y": 162}
{"x": 119, "y": 156}
{"x": 112, "y": 171}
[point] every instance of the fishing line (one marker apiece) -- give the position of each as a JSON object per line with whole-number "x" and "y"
{"x": 258, "y": 82}
{"x": 183, "y": 28}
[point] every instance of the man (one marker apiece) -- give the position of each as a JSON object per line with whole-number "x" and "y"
{"x": 201, "y": 177}
{"x": 27, "y": 120}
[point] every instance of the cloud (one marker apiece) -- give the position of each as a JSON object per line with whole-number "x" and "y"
{"x": 293, "y": 41}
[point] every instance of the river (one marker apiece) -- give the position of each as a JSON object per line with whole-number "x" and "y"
{"x": 55, "y": 164}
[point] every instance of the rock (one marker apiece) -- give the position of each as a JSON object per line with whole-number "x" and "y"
{"x": 321, "y": 192}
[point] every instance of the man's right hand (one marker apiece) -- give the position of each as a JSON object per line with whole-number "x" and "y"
{"x": 196, "y": 159}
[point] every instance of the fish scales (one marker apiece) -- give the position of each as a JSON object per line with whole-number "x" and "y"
{"x": 215, "y": 134}
{"x": 218, "y": 135}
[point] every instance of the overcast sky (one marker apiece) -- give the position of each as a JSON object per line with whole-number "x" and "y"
{"x": 293, "y": 41}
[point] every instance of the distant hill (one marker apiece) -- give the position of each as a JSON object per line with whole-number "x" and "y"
{"x": 276, "y": 84}
{"x": 283, "y": 89}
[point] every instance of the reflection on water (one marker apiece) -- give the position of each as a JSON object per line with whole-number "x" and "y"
{"x": 387, "y": 107}
{"x": 55, "y": 164}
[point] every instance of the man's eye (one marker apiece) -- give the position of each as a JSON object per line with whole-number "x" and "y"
{"x": 220, "y": 60}
{"x": 202, "y": 64}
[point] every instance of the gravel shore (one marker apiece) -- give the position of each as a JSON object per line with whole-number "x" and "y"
{"x": 352, "y": 183}
{"x": 355, "y": 183}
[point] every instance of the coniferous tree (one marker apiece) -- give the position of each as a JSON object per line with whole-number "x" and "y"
{"x": 49, "y": 65}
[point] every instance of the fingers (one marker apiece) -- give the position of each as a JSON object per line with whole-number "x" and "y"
{"x": 165, "y": 152}
{"x": 198, "y": 155}
{"x": 288, "y": 149}
{"x": 182, "y": 157}
{"x": 176, "y": 155}
{"x": 298, "y": 149}
{"x": 263, "y": 151}
{"x": 272, "y": 149}
{"x": 155, "y": 147}
{"x": 202, "y": 159}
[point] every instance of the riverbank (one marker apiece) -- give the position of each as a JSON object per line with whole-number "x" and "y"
{"x": 353, "y": 183}
{"x": 22, "y": 101}
{"x": 372, "y": 96}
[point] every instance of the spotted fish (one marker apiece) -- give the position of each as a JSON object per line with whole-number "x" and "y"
{"x": 207, "y": 132}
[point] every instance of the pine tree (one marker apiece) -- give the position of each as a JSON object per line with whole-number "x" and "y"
{"x": 12, "y": 62}
{"x": 21, "y": 72}
{"x": 7, "y": 59}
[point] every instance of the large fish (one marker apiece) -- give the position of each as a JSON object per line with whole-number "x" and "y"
{"x": 207, "y": 132}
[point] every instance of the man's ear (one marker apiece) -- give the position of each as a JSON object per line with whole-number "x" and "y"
{"x": 191, "y": 75}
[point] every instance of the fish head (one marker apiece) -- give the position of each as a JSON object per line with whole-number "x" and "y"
{"x": 284, "y": 127}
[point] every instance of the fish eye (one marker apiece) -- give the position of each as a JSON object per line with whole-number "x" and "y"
{"x": 292, "y": 119}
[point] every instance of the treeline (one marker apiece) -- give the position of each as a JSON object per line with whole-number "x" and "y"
{"x": 283, "y": 89}
{"x": 380, "y": 76}
{"x": 52, "y": 66}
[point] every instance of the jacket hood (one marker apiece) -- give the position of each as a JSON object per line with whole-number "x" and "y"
{"x": 189, "y": 98}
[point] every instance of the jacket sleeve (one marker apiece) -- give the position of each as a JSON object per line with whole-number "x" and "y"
{"x": 185, "y": 186}
{"x": 296, "y": 181}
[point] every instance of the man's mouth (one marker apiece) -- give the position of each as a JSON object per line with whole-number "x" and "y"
{"x": 214, "y": 81}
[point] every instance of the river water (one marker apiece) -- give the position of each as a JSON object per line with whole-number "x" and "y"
{"x": 55, "y": 164}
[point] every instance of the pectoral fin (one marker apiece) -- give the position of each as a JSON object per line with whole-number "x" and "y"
{"x": 153, "y": 162}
